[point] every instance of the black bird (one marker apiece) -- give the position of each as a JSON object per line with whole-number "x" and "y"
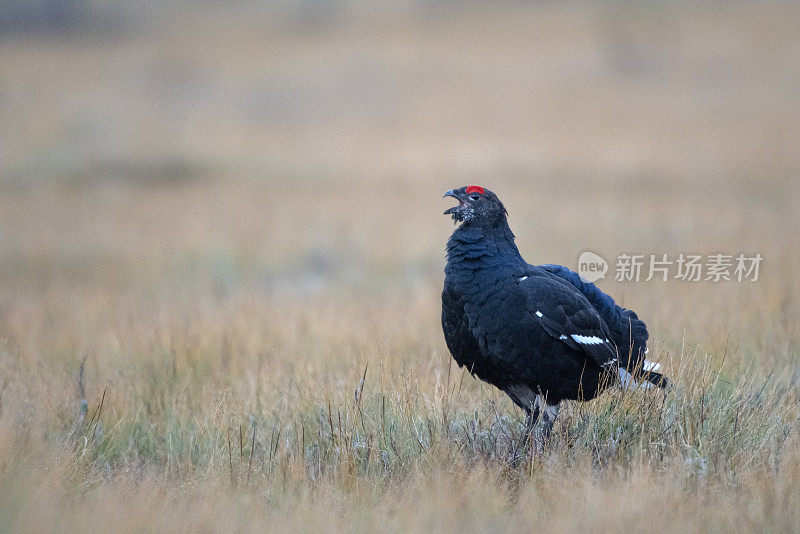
{"x": 538, "y": 333}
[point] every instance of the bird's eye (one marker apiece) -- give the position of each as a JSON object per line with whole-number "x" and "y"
{"x": 474, "y": 197}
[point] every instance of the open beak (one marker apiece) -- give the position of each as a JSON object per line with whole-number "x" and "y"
{"x": 452, "y": 193}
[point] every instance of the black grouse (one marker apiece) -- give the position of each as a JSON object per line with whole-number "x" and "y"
{"x": 538, "y": 333}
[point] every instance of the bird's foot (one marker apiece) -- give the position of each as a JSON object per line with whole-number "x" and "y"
{"x": 533, "y": 442}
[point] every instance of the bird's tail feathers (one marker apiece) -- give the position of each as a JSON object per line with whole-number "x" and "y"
{"x": 645, "y": 378}
{"x": 656, "y": 379}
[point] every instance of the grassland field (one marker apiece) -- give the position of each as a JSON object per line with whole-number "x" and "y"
{"x": 221, "y": 253}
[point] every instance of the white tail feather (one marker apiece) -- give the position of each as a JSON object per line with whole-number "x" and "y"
{"x": 627, "y": 382}
{"x": 651, "y": 366}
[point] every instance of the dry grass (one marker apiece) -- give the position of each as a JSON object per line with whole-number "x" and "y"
{"x": 227, "y": 239}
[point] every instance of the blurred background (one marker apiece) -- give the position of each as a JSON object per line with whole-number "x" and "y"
{"x": 222, "y": 221}
{"x": 165, "y": 162}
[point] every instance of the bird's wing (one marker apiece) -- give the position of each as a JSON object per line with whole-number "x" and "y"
{"x": 566, "y": 315}
{"x": 629, "y": 332}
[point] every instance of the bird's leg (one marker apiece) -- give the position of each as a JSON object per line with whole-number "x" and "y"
{"x": 549, "y": 414}
{"x": 531, "y": 417}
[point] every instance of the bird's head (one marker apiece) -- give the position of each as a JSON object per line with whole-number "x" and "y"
{"x": 476, "y": 206}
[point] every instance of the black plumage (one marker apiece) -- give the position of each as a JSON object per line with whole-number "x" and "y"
{"x": 539, "y": 333}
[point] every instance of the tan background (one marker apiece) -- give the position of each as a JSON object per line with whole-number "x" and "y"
{"x": 232, "y": 209}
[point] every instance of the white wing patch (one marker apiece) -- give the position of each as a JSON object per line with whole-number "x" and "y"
{"x": 523, "y": 278}
{"x": 583, "y": 340}
{"x": 651, "y": 366}
{"x": 586, "y": 340}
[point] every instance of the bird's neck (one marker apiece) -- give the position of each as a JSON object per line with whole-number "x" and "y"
{"x": 482, "y": 248}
